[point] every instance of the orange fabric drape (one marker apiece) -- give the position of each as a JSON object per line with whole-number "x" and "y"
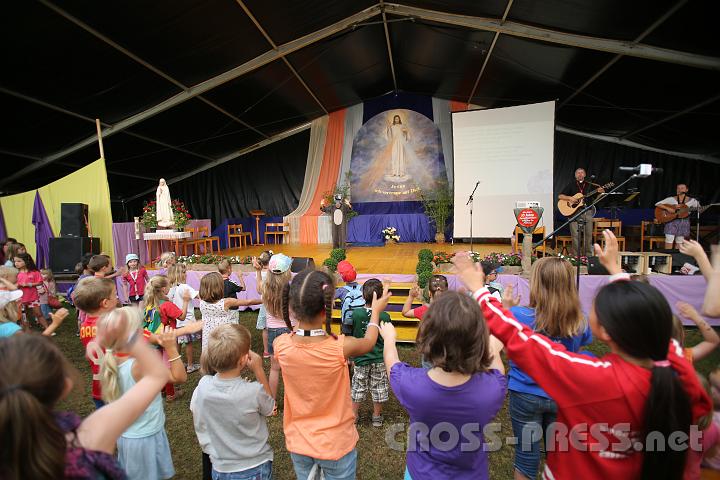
{"x": 332, "y": 156}
{"x": 456, "y": 106}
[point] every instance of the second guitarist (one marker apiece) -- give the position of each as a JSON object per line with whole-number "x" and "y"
{"x": 579, "y": 185}
{"x": 676, "y": 231}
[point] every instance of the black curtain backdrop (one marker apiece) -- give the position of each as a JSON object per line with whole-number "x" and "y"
{"x": 269, "y": 179}
{"x": 603, "y": 159}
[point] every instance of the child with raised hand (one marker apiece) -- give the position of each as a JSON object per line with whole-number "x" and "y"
{"x": 229, "y": 412}
{"x": 34, "y": 377}
{"x": 230, "y": 287}
{"x": 369, "y": 370}
{"x": 215, "y": 309}
{"x": 160, "y": 312}
{"x": 318, "y": 421}
{"x": 177, "y": 276}
{"x": 644, "y": 385}
{"x": 135, "y": 278}
{"x": 437, "y": 285}
{"x": 466, "y": 386}
{"x": 710, "y": 270}
{"x": 272, "y": 297}
{"x": 143, "y": 448}
{"x": 94, "y": 297}
{"x": 554, "y": 311}
{"x": 45, "y": 291}
{"x": 710, "y": 341}
{"x": 28, "y": 279}
{"x": 260, "y": 263}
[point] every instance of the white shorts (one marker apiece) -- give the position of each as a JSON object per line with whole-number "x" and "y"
{"x": 678, "y": 239}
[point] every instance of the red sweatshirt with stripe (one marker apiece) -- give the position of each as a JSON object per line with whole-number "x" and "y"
{"x": 607, "y": 395}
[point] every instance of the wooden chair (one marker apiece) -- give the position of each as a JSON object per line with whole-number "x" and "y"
{"x": 278, "y": 230}
{"x": 194, "y": 241}
{"x": 563, "y": 241}
{"x": 235, "y": 232}
{"x": 651, "y": 228}
{"x": 538, "y": 231}
{"x": 615, "y": 226}
{"x": 204, "y": 234}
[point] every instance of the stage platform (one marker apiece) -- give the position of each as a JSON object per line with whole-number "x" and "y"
{"x": 400, "y": 258}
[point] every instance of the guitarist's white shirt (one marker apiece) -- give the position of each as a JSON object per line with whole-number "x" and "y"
{"x": 691, "y": 202}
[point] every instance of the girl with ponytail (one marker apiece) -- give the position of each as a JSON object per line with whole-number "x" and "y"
{"x": 38, "y": 442}
{"x": 319, "y": 423}
{"x": 635, "y": 405}
{"x": 143, "y": 449}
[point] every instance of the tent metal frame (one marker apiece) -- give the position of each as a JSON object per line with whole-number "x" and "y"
{"x": 279, "y": 52}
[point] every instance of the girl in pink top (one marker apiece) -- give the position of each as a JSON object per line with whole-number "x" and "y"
{"x": 29, "y": 278}
{"x": 319, "y": 423}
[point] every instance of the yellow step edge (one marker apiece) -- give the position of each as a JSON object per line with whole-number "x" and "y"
{"x": 394, "y": 316}
{"x": 394, "y": 300}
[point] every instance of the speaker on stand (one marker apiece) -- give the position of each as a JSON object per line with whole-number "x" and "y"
{"x": 67, "y": 249}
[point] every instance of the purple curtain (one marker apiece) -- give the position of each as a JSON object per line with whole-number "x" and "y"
{"x": 3, "y": 232}
{"x": 43, "y": 233}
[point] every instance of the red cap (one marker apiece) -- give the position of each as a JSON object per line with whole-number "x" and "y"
{"x": 347, "y": 271}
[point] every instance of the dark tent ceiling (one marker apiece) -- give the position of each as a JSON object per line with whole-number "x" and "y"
{"x": 181, "y": 84}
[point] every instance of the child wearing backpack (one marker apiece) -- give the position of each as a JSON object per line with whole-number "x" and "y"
{"x": 161, "y": 312}
{"x": 350, "y": 296}
{"x": 369, "y": 370}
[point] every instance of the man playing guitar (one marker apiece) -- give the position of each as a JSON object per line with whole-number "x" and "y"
{"x": 676, "y": 231}
{"x": 579, "y": 185}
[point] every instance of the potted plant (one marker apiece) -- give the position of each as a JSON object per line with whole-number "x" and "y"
{"x": 438, "y": 204}
{"x": 390, "y": 235}
{"x": 181, "y": 216}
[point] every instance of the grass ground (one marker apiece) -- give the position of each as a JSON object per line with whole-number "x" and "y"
{"x": 375, "y": 459}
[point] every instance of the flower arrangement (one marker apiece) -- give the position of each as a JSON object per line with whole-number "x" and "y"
{"x": 181, "y": 217}
{"x": 506, "y": 259}
{"x": 210, "y": 259}
{"x": 574, "y": 260}
{"x": 442, "y": 257}
{"x": 390, "y": 233}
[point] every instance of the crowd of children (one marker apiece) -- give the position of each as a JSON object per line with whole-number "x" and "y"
{"x": 645, "y": 386}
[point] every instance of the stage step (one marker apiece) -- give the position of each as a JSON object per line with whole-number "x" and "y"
{"x": 406, "y": 328}
{"x": 394, "y": 300}
{"x": 394, "y": 317}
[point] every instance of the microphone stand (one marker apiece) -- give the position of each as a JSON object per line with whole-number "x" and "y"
{"x": 578, "y": 214}
{"x": 471, "y": 202}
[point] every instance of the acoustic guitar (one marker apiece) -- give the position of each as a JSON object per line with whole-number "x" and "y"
{"x": 568, "y": 208}
{"x": 680, "y": 211}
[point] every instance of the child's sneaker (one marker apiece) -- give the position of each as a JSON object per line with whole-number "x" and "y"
{"x": 377, "y": 421}
{"x": 266, "y": 355}
{"x": 191, "y": 368}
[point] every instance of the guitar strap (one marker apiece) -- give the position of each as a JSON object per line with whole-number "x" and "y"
{"x": 581, "y": 189}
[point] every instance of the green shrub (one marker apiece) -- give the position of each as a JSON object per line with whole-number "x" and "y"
{"x": 424, "y": 278}
{"x": 423, "y": 267}
{"x": 425, "y": 255}
{"x": 331, "y": 263}
{"x": 338, "y": 254}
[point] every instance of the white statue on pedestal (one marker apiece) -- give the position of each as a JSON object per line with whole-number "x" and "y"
{"x": 165, "y": 217}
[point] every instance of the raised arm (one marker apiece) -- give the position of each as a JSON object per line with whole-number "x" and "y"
{"x": 57, "y": 319}
{"x": 710, "y": 337}
{"x": 711, "y": 305}
{"x": 102, "y": 428}
{"x": 168, "y": 340}
{"x": 407, "y": 310}
{"x": 695, "y": 250}
{"x": 390, "y": 353}
{"x": 562, "y": 374}
{"x": 241, "y": 302}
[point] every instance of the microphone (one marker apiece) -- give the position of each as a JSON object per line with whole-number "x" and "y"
{"x": 642, "y": 170}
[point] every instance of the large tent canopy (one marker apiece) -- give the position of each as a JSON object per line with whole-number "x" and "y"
{"x": 182, "y": 85}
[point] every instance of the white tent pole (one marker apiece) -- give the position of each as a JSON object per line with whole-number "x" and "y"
{"x": 99, "y": 136}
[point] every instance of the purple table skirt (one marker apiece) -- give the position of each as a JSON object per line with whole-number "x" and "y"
{"x": 689, "y": 289}
{"x": 124, "y": 240}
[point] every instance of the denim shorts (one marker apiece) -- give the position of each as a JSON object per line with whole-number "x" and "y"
{"x": 261, "y": 323}
{"x": 341, "y": 469}
{"x": 273, "y": 333}
{"x": 529, "y": 414}
{"x": 45, "y": 309}
{"x": 261, "y": 472}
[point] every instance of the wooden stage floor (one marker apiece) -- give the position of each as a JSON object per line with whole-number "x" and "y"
{"x": 400, "y": 258}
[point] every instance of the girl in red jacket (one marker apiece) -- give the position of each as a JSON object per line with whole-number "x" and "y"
{"x": 136, "y": 278}
{"x": 610, "y": 410}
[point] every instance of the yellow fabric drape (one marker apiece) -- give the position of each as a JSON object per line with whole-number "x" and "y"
{"x": 87, "y": 185}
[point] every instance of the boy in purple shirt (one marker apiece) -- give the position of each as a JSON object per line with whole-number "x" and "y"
{"x": 450, "y": 404}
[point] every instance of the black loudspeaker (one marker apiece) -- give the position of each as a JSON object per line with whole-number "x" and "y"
{"x": 595, "y": 267}
{"x": 73, "y": 220}
{"x": 301, "y": 263}
{"x": 66, "y": 252}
